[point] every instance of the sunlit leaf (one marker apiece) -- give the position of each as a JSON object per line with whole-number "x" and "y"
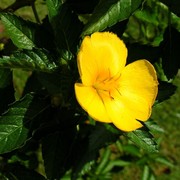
{"x": 143, "y": 139}
{"x": 109, "y": 12}
{"x": 20, "y": 31}
{"x": 14, "y": 123}
{"x": 38, "y": 59}
{"x": 53, "y": 7}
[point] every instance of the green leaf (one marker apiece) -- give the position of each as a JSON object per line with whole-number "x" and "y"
{"x": 146, "y": 173}
{"x": 143, "y": 139}
{"x": 38, "y": 59}
{"x": 153, "y": 126}
{"x": 164, "y": 161}
{"x": 6, "y": 89}
{"x": 14, "y": 123}
{"x": 108, "y": 13}
{"x": 20, "y": 31}
{"x": 53, "y": 7}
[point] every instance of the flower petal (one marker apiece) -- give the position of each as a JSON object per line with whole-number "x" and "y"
{"x": 121, "y": 116}
{"x": 101, "y": 56}
{"x": 139, "y": 86}
{"x": 91, "y": 102}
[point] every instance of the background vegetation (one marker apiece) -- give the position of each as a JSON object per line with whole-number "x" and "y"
{"x": 45, "y": 134}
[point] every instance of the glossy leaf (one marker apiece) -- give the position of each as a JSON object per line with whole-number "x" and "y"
{"x": 53, "y": 7}
{"x": 143, "y": 139}
{"x": 14, "y": 123}
{"x": 20, "y": 31}
{"x": 109, "y": 12}
{"x": 38, "y": 59}
{"x": 153, "y": 127}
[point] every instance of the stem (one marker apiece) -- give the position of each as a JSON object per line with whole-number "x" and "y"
{"x": 35, "y": 13}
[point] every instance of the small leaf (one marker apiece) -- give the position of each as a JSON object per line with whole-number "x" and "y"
{"x": 146, "y": 173}
{"x": 164, "y": 161}
{"x": 53, "y": 7}
{"x": 108, "y": 13}
{"x": 153, "y": 127}
{"x": 19, "y": 30}
{"x": 143, "y": 139}
{"x": 14, "y": 123}
{"x": 38, "y": 59}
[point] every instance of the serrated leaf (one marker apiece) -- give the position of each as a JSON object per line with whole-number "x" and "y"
{"x": 20, "y": 31}
{"x": 153, "y": 126}
{"x": 14, "y": 123}
{"x": 59, "y": 82}
{"x": 53, "y": 7}
{"x": 108, "y": 13}
{"x": 143, "y": 139}
{"x": 6, "y": 89}
{"x": 37, "y": 59}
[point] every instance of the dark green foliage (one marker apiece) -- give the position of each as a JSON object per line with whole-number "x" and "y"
{"x": 45, "y": 134}
{"x": 109, "y": 12}
{"x": 170, "y": 52}
{"x": 6, "y": 89}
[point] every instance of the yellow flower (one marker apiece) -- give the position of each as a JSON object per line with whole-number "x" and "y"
{"x": 111, "y": 92}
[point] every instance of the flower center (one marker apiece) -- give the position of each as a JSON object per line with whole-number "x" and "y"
{"x": 105, "y": 85}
